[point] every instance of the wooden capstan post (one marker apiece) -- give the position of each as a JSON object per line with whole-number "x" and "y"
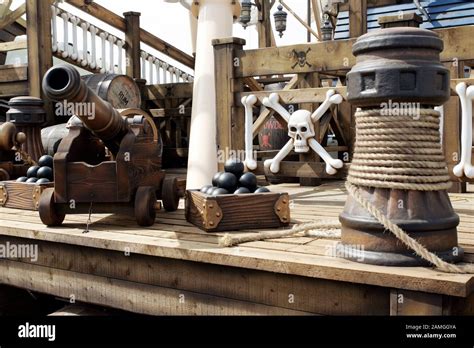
{"x": 398, "y": 170}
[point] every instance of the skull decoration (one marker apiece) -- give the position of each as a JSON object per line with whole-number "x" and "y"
{"x": 301, "y": 128}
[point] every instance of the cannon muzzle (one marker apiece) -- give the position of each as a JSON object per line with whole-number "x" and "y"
{"x": 63, "y": 84}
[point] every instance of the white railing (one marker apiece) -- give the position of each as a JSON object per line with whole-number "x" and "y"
{"x": 96, "y": 49}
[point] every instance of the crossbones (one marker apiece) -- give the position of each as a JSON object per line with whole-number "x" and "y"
{"x": 300, "y": 130}
{"x": 465, "y": 167}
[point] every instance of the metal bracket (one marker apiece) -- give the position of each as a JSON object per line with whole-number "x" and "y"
{"x": 35, "y": 197}
{"x": 282, "y": 209}
{"x": 3, "y": 195}
{"x": 211, "y": 214}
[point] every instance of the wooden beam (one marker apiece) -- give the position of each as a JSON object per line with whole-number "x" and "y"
{"x": 337, "y": 55}
{"x": 13, "y": 16}
{"x": 132, "y": 39}
{"x": 40, "y": 52}
{"x": 298, "y": 96}
{"x": 320, "y": 56}
{"x": 132, "y": 297}
{"x": 230, "y": 116}
{"x": 303, "y": 170}
{"x": 317, "y": 15}
{"x": 264, "y": 25}
{"x": 146, "y": 37}
{"x": 12, "y": 73}
{"x": 357, "y": 18}
{"x": 169, "y": 91}
{"x": 12, "y": 46}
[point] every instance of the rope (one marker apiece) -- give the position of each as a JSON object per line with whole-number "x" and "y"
{"x": 25, "y": 156}
{"x": 320, "y": 229}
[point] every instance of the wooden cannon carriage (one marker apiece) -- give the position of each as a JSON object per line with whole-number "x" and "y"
{"x": 85, "y": 180}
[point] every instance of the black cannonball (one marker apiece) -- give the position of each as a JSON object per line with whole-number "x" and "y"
{"x": 45, "y": 172}
{"x": 211, "y": 189}
{"x": 31, "y": 180}
{"x": 242, "y": 190}
{"x": 227, "y": 181}
{"x": 234, "y": 166}
{"x": 43, "y": 181}
{"x": 262, "y": 190}
{"x": 32, "y": 171}
{"x": 205, "y": 188}
{"x": 46, "y": 161}
{"x": 22, "y": 179}
{"x": 215, "y": 178}
{"x": 220, "y": 191}
{"x": 248, "y": 180}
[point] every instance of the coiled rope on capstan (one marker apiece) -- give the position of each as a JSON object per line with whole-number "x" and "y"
{"x": 422, "y": 168}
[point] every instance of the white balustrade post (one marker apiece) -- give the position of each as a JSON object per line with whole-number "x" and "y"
{"x": 103, "y": 38}
{"x": 144, "y": 56}
{"x": 85, "y": 58}
{"x": 54, "y": 28}
{"x": 93, "y": 30}
{"x": 75, "y": 22}
{"x": 112, "y": 39}
{"x": 65, "y": 17}
{"x": 150, "y": 60}
{"x": 120, "y": 45}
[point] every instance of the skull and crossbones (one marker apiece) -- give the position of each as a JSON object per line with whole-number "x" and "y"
{"x": 301, "y": 58}
{"x": 300, "y": 130}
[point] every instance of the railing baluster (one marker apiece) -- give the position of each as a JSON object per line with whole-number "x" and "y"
{"x": 65, "y": 17}
{"x": 150, "y": 60}
{"x": 54, "y": 28}
{"x": 75, "y": 22}
{"x": 93, "y": 64}
{"x": 112, "y": 39}
{"x": 144, "y": 56}
{"x": 85, "y": 53}
{"x": 157, "y": 68}
{"x": 120, "y": 44}
{"x": 103, "y": 37}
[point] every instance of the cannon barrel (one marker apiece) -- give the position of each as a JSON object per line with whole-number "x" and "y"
{"x": 63, "y": 84}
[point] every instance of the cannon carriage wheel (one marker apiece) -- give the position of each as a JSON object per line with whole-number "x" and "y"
{"x": 48, "y": 212}
{"x": 145, "y": 201}
{"x": 170, "y": 193}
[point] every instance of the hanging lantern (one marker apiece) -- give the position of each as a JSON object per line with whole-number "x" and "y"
{"x": 326, "y": 29}
{"x": 245, "y": 13}
{"x": 280, "y": 20}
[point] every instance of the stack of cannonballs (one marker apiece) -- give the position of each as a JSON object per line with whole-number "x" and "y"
{"x": 40, "y": 174}
{"x": 233, "y": 181}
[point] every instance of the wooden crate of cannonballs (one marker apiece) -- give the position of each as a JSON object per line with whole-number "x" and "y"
{"x": 21, "y": 195}
{"x": 237, "y": 211}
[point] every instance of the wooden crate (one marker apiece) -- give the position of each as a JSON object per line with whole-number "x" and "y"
{"x": 21, "y": 195}
{"x": 237, "y": 212}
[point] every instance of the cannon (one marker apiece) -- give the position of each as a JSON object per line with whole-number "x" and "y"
{"x": 110, "y": 161}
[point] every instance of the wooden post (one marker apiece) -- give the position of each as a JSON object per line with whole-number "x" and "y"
{"x": 40, "y": 53}
{"x": 452, "y": 128}
{"x": 264, "y": 25}
{"x": 132, "y": 39}
{"x": 357, "y": 17}
{"x": 230, "y": 114}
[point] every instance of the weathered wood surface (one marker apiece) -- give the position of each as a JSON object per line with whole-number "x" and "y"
{"x": 151, "y": 270}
